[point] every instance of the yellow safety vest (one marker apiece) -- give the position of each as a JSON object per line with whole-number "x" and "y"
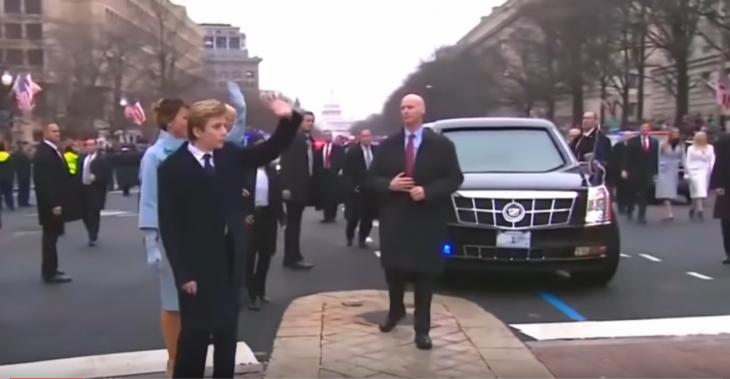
{"x": 4, "y": 156}
{"x": 71, "y": 161}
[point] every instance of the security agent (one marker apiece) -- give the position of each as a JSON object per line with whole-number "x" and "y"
{"x": 265, "y": 199}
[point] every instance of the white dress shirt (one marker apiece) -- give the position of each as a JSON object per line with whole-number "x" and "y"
{"x": 262, "y": 188}
{"x": 200, "y": 155}
{"x": 367, "y": 154}
{"x": 86, "y": 170}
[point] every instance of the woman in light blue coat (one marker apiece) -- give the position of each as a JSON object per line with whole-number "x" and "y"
{"x": 171, "y": 117}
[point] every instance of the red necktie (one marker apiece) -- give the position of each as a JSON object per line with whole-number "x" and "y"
{"x": 646, "y": 144}
{"x": 327, "y": 156}
{"x": 410, "y": 155}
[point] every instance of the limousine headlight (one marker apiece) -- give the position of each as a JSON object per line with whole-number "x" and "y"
{"x": 598, "y": 207}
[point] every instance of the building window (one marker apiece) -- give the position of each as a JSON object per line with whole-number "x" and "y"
{"x": 33, "y": 7}
{"x": 208, "y": 41}
{"x": 235, "y": 75}
{"x": 14, "y": 31}
{"x": 234, "y": 43}
{"x": 12, "y": 6}
{"x": 250, "y": 75}
{"x": 35, "y": 57}
{"x": 221, "y": 42}
{"x": 14, "y": 56}
{"x": 223, "y": 75}
{"x": 34, "y": 31}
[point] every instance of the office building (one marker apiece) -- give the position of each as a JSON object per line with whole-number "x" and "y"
{"x": 227, "y": 57}
{"x": 46, "y": 38}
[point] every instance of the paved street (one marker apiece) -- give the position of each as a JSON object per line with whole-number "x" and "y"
{"x": 669, "y": 271}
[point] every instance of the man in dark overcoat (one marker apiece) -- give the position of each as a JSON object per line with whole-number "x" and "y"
{"x": 720, "y": 182}
{"x": 414, "y": 175}
{"x": 360, "y": 207}
{"x": 640, "y": 168}
{"x": 93, "y": 175}
{"x": 197, "y": 229}
{"x": 56, "y": 194}
{"x": 298, "y": 178}
{"x": 329, "y": 160}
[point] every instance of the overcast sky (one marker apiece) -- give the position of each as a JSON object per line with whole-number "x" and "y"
{"x": 359, "y": 50}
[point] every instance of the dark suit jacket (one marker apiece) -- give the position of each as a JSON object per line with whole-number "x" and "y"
{"x": 597, "y": 143}
{"x": 54, "y": 187}
{"x": 412, "y": 233}
{"x": 22, "y": 166}
{"x": 720, "y": 176}
{"x": 95, "y": 193}
{"x": 200, "y": 230}
{"x": 295, "y": 176}
{"x": 640, "y": 165}
{"x": 276, "y": 203}
{"x": 329, "y": 183}
{"x": 359, "y": 201}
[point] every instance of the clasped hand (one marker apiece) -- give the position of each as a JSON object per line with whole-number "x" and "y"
{"x": 190, "y": 288}
{"x": 403, "y": 183}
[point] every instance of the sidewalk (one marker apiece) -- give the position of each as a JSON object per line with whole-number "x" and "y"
{"x": 335, "y": 335}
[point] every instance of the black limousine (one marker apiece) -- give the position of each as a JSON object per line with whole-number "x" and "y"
{"x": 526, "y": 203}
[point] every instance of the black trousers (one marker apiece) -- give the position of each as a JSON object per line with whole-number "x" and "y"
{"x": 365, "y": 224}
{"x": 192, "y": 349}
{"x": 423, "y": 286}
{"x": 293, "y": 232}
{"x": 49, "y": 251}
{"x": 329, "y": 210}
{"x": 638, "y": 198}
{"x": 6, "y": 192}
{"x": 93, "y": 197}
{"x": 725, "y": 230}
{"x": 261, "y": 247}
{"x": 23, "y": 191}
{"x": 623, "y": 195}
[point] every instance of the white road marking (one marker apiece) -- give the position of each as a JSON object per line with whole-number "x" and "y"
{"x": 369, "y": 240}
{"x": 699, "y": 276}
{"x": 377, "y": 253}
{"x": 376, "y": 224}
{"x": 104, "y": 213}
{"x": 23, "y": 234}
{"x": 121, "y": 364}
{"x": 650, "y": 257}
{"x": 625, "y": 255}
{"x": 662, "y": 327}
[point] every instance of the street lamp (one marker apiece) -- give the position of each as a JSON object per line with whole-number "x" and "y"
{"x": 6, "y": 79}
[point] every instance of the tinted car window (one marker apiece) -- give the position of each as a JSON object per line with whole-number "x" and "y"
{"x": 506, "y": 150}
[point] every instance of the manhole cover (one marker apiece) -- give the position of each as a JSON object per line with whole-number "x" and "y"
{"x": 377, "y": 317}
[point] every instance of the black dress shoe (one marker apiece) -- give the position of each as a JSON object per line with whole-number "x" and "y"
{"x": 254, "y": 305}
{"x": 301, "y": 265}
{"x": 390, "y": 323}
{"x": 57, "y": 279}
{"x": 349, "y": 242}
{"x": 642, "y": 221}
{"x": 726, "y": 261}
{"x": 92, "y": 243}
{"x": 423, "y": 341}
{"x": 264, "y": 300}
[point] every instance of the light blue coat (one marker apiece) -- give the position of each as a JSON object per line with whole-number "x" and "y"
{"x": 165, "y": 145}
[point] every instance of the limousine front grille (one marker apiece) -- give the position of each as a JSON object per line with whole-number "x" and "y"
{"x": 514, "y": 209}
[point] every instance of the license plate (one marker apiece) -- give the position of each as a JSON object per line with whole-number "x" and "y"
{"x": 514, "y": 240}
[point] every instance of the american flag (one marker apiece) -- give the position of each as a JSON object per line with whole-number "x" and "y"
{"x": 134, "y": 112}
{"x": 25, "y": 90}
{"x": 722, "y": 97}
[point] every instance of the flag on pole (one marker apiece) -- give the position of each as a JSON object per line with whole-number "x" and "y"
{"x": 134, "y": 112}
{"x": 25, "y": 90}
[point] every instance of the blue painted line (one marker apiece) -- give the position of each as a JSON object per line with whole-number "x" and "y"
{"x": 561, "y": 306}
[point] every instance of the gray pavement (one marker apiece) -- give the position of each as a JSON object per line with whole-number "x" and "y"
{"x": 112, "y": 304}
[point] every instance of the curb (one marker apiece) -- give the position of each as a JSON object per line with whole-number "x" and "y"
{"x": 326, "y": 334}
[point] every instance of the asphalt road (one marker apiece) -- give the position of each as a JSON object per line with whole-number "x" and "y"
{"x": 112, "y": 304}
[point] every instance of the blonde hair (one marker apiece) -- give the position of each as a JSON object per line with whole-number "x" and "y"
{"x": 201, "y": 112}
{"x": 700, "y": 139}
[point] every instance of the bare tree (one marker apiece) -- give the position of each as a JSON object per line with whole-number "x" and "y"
{"x": 527, "y": 61}
{"x": 675, "y": 24}
{"x": 579, "y": 28}
{"x": 453, "y": 84}
{"x": 166, "y": 42}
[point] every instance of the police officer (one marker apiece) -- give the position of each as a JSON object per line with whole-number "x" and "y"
{"x": 6, "y": 178}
